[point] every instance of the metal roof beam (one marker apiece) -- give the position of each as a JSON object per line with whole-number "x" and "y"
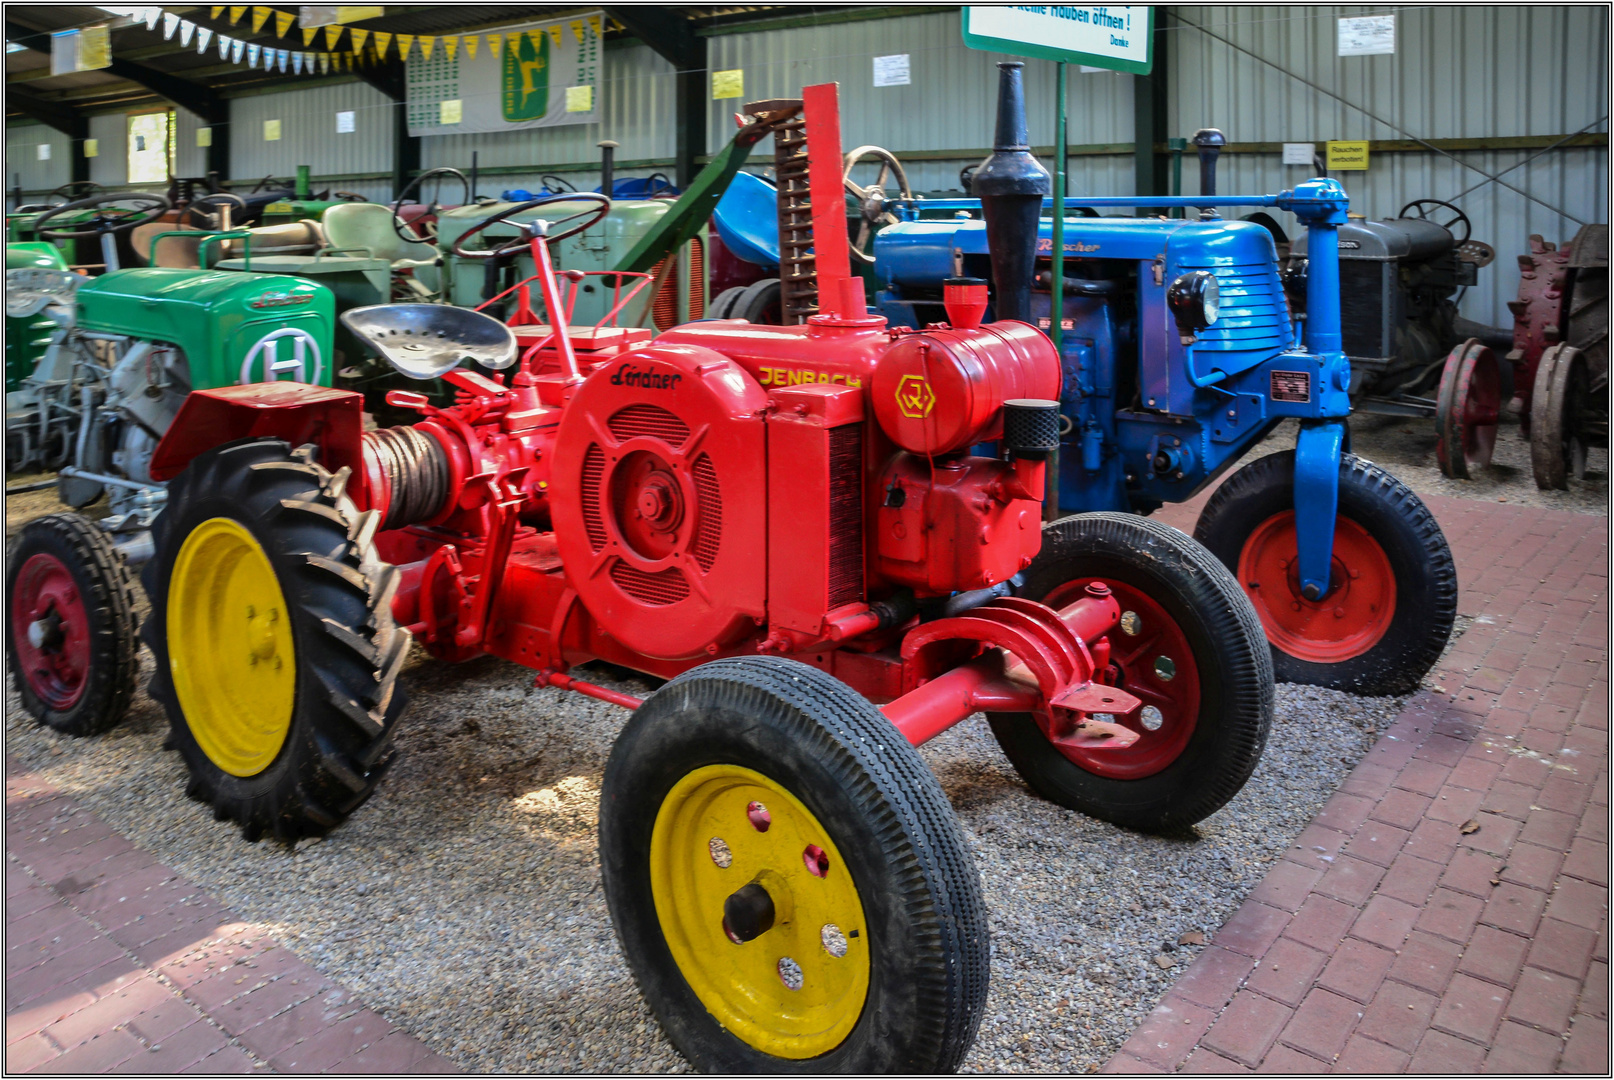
{"x": 182, "y": 92}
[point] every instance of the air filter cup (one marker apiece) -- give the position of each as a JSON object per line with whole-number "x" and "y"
{"x": 427, "y": 341}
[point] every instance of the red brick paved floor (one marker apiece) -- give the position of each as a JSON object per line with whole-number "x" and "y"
{"x": 1447, "y": 911}
{"x": 115, "y": 963}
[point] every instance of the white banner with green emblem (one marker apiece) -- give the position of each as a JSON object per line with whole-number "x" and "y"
{"x": 529, "y": 76}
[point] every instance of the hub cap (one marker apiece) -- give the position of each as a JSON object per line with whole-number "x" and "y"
{"x": 1150, "y": 659}
{"x": 759, "y": 911}
{"x": 230, "y": 647}
{"x": 1348, "y": 620}
{"x": 51, "y": 630}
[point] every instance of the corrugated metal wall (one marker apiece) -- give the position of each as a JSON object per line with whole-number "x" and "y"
{"x": 22, "y": 157}
{"x": 637, "y": 98}
{"x": 308, "y": 136}
{"x": 1457, "y": 72}
{"x": 110, "y": 166}
{"x": 950, "y": 103}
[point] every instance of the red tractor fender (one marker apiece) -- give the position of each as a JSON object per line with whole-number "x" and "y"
{"x": 331, "y": 419}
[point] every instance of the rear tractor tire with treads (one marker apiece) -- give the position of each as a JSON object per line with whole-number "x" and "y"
{"x": 276, "y": 653}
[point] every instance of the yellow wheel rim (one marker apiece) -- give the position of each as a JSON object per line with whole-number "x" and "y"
{"x": 230, "y": 647}
{"x": 818, "y": 941}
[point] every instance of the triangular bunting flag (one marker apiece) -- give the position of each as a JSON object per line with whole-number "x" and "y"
{"x": 296, "y": 63}
{"x": 451, "y": 47}
{"x": 554, "y": 35}
{"x": 333, "y": 34}
{"x": 213, "y": 12}
{"x": 426, "y": 46}
{"x": 324, "y": 63}
{"x": 283, "y": 21}
{"x": 170, "y": 24}
{"x": 383, "y": 42}
{"x": 151, "y": 17}
{"x": 405, "y": 43}
{"x": 252, "y": 55}
{"x": 236, "y": 13}
{"x": 471, "y": 42}
{"x": 595, "y": 25}
{"x": 237, "y": 47}
{"x": 358, "y": 37}
{"x": 308, "y": 34}
{"x": 268, "y": 59}
{"x": 203, "y": 36}
{"x": 281, "y": 59}
{"x": 260, "y": 15}
{"x": 494, "y": 41}
{"x": 224, "y": 46}
{"x": 577, "y": 29}
{"x": 186, "y": 30}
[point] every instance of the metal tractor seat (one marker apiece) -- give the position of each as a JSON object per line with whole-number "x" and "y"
{"x": 425, "y": 341}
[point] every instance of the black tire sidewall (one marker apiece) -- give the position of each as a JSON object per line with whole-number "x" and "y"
{"x": 1425, "y": 579}
{"x": 665, "y": 742}
{"x": 1235, "y": 689}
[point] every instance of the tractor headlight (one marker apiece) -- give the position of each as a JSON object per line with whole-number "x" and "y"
{"x": 1194, "y": 300}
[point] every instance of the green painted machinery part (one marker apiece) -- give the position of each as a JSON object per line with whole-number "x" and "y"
{"x": 28, "y": 338}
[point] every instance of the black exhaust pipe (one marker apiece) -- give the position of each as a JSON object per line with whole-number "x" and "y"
{"x": 1011, "y": 185}
{"x": 1210, "y": 143}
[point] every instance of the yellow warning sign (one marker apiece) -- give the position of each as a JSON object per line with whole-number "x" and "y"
{"x": 1345, "y": 156}
{"x": 728, "y": 84}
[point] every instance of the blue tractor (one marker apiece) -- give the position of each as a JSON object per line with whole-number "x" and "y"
{"x": 1180, "y": 353}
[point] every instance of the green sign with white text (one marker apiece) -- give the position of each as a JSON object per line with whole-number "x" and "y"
{"x": 1117, "y": 38}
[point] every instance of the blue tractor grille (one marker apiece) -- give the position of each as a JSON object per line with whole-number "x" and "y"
{"x": 1253, "y": 314}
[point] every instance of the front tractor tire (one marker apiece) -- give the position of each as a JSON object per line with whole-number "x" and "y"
{"x": 70, "y": 625}
{"x": 788, "y": 882}
{"x": 271, "y": 625}
{"x": 1188, "y": 645}
{"x": 1392, "y": 595}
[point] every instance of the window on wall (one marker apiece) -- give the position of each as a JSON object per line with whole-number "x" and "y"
{"x": 151, "y": 147}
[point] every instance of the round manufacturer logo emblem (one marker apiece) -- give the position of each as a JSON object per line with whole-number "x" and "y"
{"x": 285, "y": 355}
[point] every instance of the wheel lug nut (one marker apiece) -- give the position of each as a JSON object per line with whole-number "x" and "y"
{"x": 1339, "y": 613}
{"x": 252, "y": 612}
{"x": 277, "y": 663}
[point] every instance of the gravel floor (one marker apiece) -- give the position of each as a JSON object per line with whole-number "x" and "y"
{"x": 463, "y": 902}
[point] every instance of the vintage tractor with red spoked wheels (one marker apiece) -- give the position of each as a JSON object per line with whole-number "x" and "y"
{"x": 785, "y": 522}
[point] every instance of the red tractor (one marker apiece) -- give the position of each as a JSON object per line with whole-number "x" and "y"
{"x": 787, "y": 524}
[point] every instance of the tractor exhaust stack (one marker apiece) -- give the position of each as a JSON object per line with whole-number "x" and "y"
{"x": 1011, "y": 185}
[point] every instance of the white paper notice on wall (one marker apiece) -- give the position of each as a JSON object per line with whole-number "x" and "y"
{"x": 1298, "y": 153}
{"x": 344, "y": 123}
{"x": 892, "y": 70}
{"x": 44, "y": 151}
{"x": 1367, "y": 35}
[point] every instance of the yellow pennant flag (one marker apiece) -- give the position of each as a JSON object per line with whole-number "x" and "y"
{"x": 451, "y": 47}
{"x": 471, "y": 42}
{"x": 213, "y": 12}
{"x": 426, "y": 46}
{"x": 383, "y": 42}
{"x": 308, "y": 34}
{"x": 536, "y": 37}
{"x": 405, "y": 43}
{"x": 236, "y": 13}
{"x": 594, "y": 25}
{"x": 554, "y": 35}
{"x": 358, "y": 37}
{"x": 577, "y": 29}
{"x": 494, "y": 41}
{"x": 333, "y": 34}
{"x": 260, "y": 15}
{"x": 283, "y": 21}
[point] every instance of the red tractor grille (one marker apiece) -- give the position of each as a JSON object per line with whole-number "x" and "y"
{"x": 659, "y": 589}
{"x": 651, "y": 420}
{"x": 709, "y": 531}
{"x": 697, "y": 274}
{"x": 664, "y": 310}
{"x": 845, "y": 514}
{"x": 593, "y": 523}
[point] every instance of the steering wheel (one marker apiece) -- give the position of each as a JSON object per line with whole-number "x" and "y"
{"x": 197, "y": 210}
{"x": 427, "y": 222}
{"x": 593, "y": 216}
{"x": 1425, "y": 209}
{"x": 871, "y": 199}
{"x": 655, "y": 184}
{"x": 556, "y": 185}
{"x": 269, "y": 183}
{"x": 148, "y": 206}
{"x": 67, "y": 190}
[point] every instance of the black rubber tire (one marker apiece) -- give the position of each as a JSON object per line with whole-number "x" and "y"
{"x": 100, "y": 575}
{"x": 1425, "y": 575}
{"x": 722, "y": 306}
{"x": 885, "y": 811}
{"x": 349, "y": 651}
{"x": 1229, "y": 650}
{"x": 761, "y": 303}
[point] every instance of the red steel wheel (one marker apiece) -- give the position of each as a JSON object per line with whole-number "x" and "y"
{"x": 51, "y": 629}
{"x": 1351, "y": 618}
{"x": 1468, "y": 407}
{"x": 1150, "y": 657}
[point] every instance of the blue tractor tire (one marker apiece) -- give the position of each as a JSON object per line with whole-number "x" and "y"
{"x": 1392, "y": 596}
